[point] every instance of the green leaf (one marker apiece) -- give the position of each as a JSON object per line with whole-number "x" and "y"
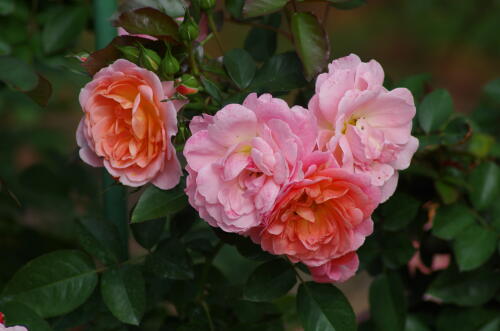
{"x": 170, "y": 260}
{"x": 435, "y": 110}
{"x": 63, "y": 28}
{"x": 456, "y": 131}
{"x": 399, "y": 211}
{"x": 471, "y": 319}
{"x": 474, "y": 246}
{"x": 413, "y": 323}
{"x": 42, "y": 92}
{"x": 123, "y": 291}
{"x": 472, "y": 288}
{"x": 7, "y": 7}
{"x": 17, "y": 73}
{"x": 235, "y": 7}
{"x": 173, "y": 8}
{"x": 388, "y": 302}
{"x": 450, "y": 221}
{"x": 270, "y": 281}
{"x": 147, "y": 234}
{"x": 323, "y": 307}
{"x": 53, "y": 284}
{"x": 281, "y": 73}
{"x": 155, "y": 203}
{"x": 493, "y": 325}
{"x": 448, "y": 193}
{"x": 311, "y": 43}
{"x": 397, "y": 249}
{"x": 212, "y": 89}
{"x": 262, "y": 43}
{"x": 485, "y": 185}
{"x": 347, "y": 4}
{"x": 480, "y": 144}
{"x": 149, "y": 21}
{"x": 240, "y": 67}
{"x": 18, "y": 314}
{"x": 100, "y": 239}
{"x": 254, "y": 8}
{"x": 492, "y": 91}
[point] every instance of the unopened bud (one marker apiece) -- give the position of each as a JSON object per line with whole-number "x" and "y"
{"x": 188, "y": 85}
{"x": 206, "y": 4}
{"x": 131, "y": 53}
{"x": 188, "y": 29}
{"x": 169, "y": 65}
{"x": 149, "y": 59}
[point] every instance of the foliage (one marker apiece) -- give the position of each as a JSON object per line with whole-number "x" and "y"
{"x": 189, "y": 276}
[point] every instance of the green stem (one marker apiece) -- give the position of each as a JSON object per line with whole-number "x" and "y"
{"x": 114, "y": 196}
{"x": 211, "y": 24}
{"x": 192, "y": 61}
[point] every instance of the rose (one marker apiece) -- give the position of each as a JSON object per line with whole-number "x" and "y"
{"x": 12, "y": 328}
{"x": 322, "y": 218}
{"x": 128, "y": 125}
{"x": 336, "y": 270}
{"x": 239, "y": 159}
{"x": 365, "y": 126}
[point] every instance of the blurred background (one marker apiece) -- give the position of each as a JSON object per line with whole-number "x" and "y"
{"x": 44, "y": 185}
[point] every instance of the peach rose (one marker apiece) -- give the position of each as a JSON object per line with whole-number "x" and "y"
{"x": 323, "y": 217}
{"x": 336, "y": 270}
{"x": 128, "y": 125}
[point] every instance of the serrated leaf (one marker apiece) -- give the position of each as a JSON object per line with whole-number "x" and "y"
{"x": 388, "y": 303}
{"x": 311, "y": 43}
{"x": 269, "y": 281}
{"x": 484, "y": 182}
{"x": 254, "y": 8}
{"x": 170, "y": 260}
{"x": 149, "y": 21}
{"x": 472, "y": 288}
{"x": 100, "y": 239}
{"x": 155, "y": 203}
{"x": 323, "y": 307}
{"x": 435, "y": 110}
{"x": 474, "y": 246}
{"x": 63, "y": 28}
{"x": 240, "y": 67}
{"x": 123, "y": 291}
{"x": 450, "y": 221}
{"x": 53, "y": 284}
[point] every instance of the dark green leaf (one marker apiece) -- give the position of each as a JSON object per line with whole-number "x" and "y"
{"x": 472, "y": 288}
{"x": 240, "y": 67}
{"x": 148, "y": 233}
{"x": 397, "y": 249}
{"x": 474, "y": 246}
{"x": 456, "y": 131}
{"x": 323, "y": 307}
{"x": 170, "y": 260}
{"x": 413, "y": 323}
{"x": 235, "y": 7}
{"x": 155, "y": 203}
{"x": 17, "y": 73}
{"x": 492, "y": 91}
{"x": 149, "y": 21}
{"x": 311, "y": 43}
{"x": 471, "y": 319}
{"x": 269, "y": 281}
{"x": 388, "y": 303}
{"x": 100, "y": 239}
{"x": 124, "y": 293}
{"x": 6, "y": 7}
{"x": 485, "y": 185}
{"x": 42, "y": 92}
{"x": 347, "y": 4}
{"x": 448, "y": 193}
{"x": 399, "y": 211}
{"x": 282, "y": 72}
{"x": 254, "y": 8}
{"x": 212, "y": 89}
{"x": 18, "y": 314}
{"x": 63, "y": 28}
{"x": 435, "y": 110}
{"x": 53, "y": 284}
{"x": 262, "y": 43}
{"x": 450, "y": 221}
{"x": 493, "y": 325}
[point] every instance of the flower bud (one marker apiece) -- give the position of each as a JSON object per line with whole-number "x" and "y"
{"x": 149, "y": 59}
{"x": 188, "y": 85}
{"x": 131, "y": 53}
{"x": 188, "y": 29}
{"x": 206, "y": 4}
{"x": 169, "y": 65}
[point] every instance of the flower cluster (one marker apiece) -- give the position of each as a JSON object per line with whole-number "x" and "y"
{"x": 12, "y": 328}
{"x": 300, "y": 182}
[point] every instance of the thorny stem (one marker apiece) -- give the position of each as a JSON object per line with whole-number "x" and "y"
{"x": 212, "y": 26}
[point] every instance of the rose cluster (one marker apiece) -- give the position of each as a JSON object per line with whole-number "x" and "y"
{"x": 300, "y": 182}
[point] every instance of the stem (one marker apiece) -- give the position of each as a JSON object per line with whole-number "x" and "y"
{"x": 207, "y": 312}
{"x": 212, "y": 26}
{"x": 114, "y": 198}
{"x": 129, "y": 261}
{"x": 192, "y": 61}
{"x": 206, "y": 269}
{"x": 262, "y": 26}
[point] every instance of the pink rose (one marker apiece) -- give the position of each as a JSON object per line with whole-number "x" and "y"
{"x": 12, "y": 328}
{"x": 337, "y": 270}
{"x": 365, "y": 126}
{"x": 322, "y": 218}
{"x": 240, "y": 158}
{"x": 127, "y": 126}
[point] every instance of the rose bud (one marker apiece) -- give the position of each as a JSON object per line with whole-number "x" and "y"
{"x": 169, "y": 65}
{"x": 207, "y": 4}
{"x": 188, "y": 85}
{"x": 188, "y": 29}
{"x": 131, "y": 53}
{"x": 149, "y": 59}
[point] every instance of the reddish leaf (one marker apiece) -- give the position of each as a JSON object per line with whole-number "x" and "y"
{"x": 42, "y": 92}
